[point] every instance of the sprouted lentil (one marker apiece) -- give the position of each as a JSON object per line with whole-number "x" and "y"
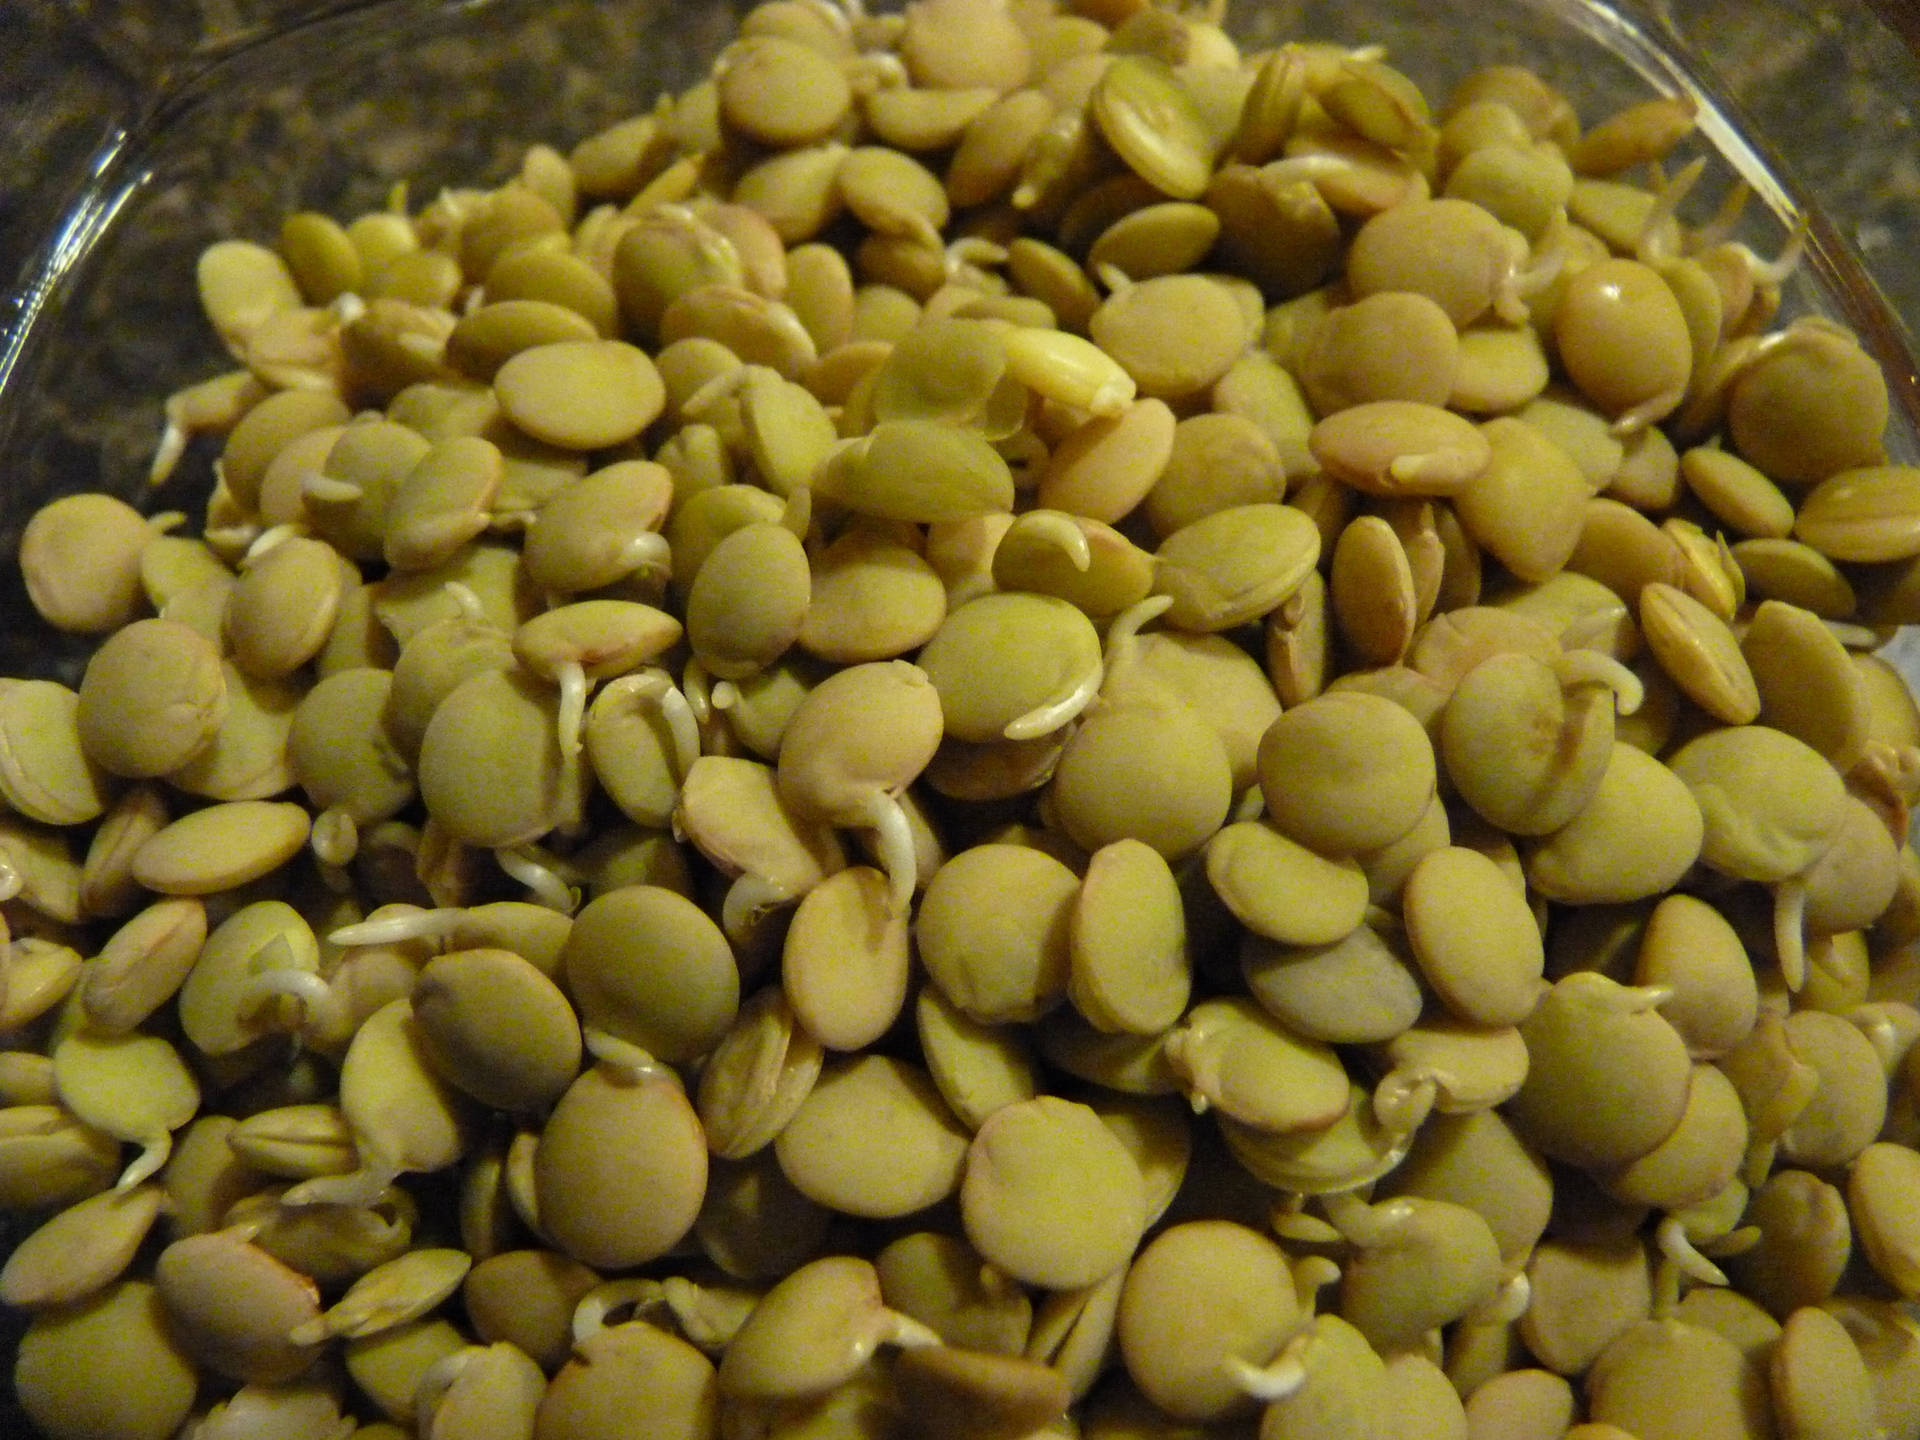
{"x": 1007, "y": 726}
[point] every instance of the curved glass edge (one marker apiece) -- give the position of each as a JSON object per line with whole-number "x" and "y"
{"x": 1840, "y": 270}
{"x": 1634, "y": 48}
{"x": 1832, "y": 86}
{"x": 101, "y": 198}
{"x": 108, "y": 178}
{"x": 325, "y": 115}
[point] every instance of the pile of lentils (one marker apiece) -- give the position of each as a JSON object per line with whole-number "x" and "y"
{"x": 1007, "y": 726}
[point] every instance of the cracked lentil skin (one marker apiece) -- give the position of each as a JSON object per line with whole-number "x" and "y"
{"x": 1078, "y": 830}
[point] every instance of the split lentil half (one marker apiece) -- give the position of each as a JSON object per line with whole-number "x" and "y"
{"x": 1011, "y": 725}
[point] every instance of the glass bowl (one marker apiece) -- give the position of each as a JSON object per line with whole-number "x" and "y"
{"x": 168, "y": 142}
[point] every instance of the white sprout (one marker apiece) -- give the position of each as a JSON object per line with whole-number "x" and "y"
{"x": 877, "y": 70}
{"x": 968, "y": 257}
{"x": 329, "y": 490}
{"x": 1507, "y": 1303}
{"x": 908, "y": 1333}
{"x": 1720, "y": 231}
{"x": 1252, "y": 805}
{"x": 1594, "y": 667}
{"x": 1026, "y": 455}
{"x": 1853, "y": 637}
{"x": 840, "y": 16}
{"x": 1113, "y": 396}
{"x": 1277, "y": 1379}
{"x": 1789, "y": 930}
{"x": 1412, "y": 468}
{"x": 922, "y": 231}
{"x": 335, "y": 838}
{"x": 1631, "y": 422}
{"x": 716, "y": 249}
{"x": 12, "y": 881}
{"x": 231, "y": 539}
{"x": 1886, "y": 1038}
{"x": 1063, "y": 533}
{"x": 430, "y": 1391}
{"x": 1774, "y": 340}
{"x": 648, "y": 555}
{"x": 709, "y": 1316}
{"x": 1594, "y": 629}
{"x": 748, "y": 898}
{"x": 571, "y": 677}
{"x": 1311, "y": 1274}
{"x": 630, "y": 1060}
{"x": 1780, "y": 269}
{"x": 796, "y": 516}
{"x": 1073, "y": 697}
{"x": 1363, "y": 1224}
{"x": 403, "y": 923}
{"x": 1508, "y": 302}
{"x": 1639, "y": 999}
{"x": 1124, "y": 629}
{"x": 1678, "y": 1247}
{"x": 635, "y": 1295}
{"x": 1725, "y": 221}
{"x": 241, "y": 1418}
{"x": 697, "y": 690}
{"x": 360, "y": 1189}
{"x": 1404, "y": 1099}
{"x": 1199, "y": 1101}
{"x": 723, "y": 386}
{"x": 893, "y": 839}
{"x": 421, "y": 347}
{"x": 1737, "y": 1241}
{"x": 677, "y": 708}
{"x": 466, "y": 601}
{"x": 154, "y": 1150}
{"x": 268, "y": 540}
{"x": 1655, "y": 243}
{"x": 1083, "y": 689}
{"x": 1308, "y": 169}
{"x": 173, "y": 444}
{"x": 526, "y": 865}
{"x": 1290, "y": 1222}
{"x": 322, "y": 1010}
{"x": 1051, "y": 147}
{"x": 1892, "y": 769}
{"x": 1758, "y": 1163}
{"x": 1549, "y": 259}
